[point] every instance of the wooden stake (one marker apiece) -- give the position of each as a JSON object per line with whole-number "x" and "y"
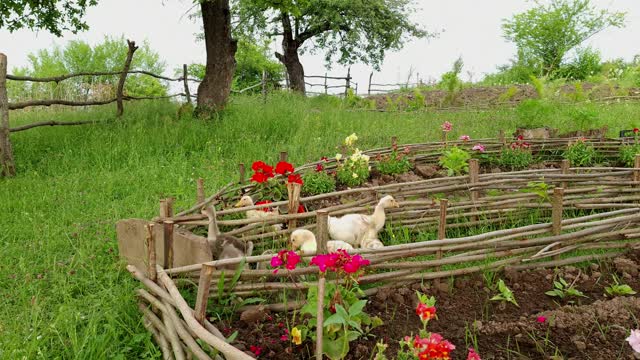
{"x": 564, "y": 166}
{"x": 442, "y": 224}
{"x": 502, "y": 138}
{"x": 200, "y": 190}
{"x": 186, "y": 83}
{"x": 241, "y": 169}
{"x": 283, "y": 156}
{"x": 394, "y": 142}
{"x": 123, "y": 76}
{"x": 322, "y": 221}
{"x": 7, "y": 164}
{"x": 320, "y": 317}
{"x": 556, "y": 213}
{"x": 264, "y": 86}
{"x": 294, "y": 202}
{"x": 151, "y": 252}
{"x": 203, "y": 293}
{"x": 168, "y": 243}
{"x": 348, "y": 85}
{"x": 369, "y": 89}
{"x": 474, "y": 174}
{"x": 636, "y": 168}
{"x": 326, "y": 89}
{"x": 444, "y": 138}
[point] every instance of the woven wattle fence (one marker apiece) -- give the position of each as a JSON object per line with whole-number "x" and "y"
{"x": 606, "y": 201}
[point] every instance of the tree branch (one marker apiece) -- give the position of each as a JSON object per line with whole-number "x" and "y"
{"x": 52, "y": 123}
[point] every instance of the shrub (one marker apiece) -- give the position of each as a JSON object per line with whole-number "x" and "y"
{"x": 353, "y": 170}
{"x": 318, "y": 182}
{"x": 533, "y": 113}
{"x": 394, "y": 163}
{"x": 456, "y": 161}
{"x": 517, "y": 156}
{"x": 628, "y": 154}
{"x": 581, "y": 154}
{"x": 417, "y": 102}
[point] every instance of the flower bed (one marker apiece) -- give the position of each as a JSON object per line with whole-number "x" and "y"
{"x": 602, "y": 202}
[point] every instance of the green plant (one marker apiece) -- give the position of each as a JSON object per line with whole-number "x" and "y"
{"x": 417, "y": 101}
{"x": 533, "y": 113}
{"x": 455, "y": 160}
{"x": 353, "y": 170}
{"x": 390, "y": 104}
{"x": 580, "y": 153}
{"x": 562, "y": 289}
{"x": 451, "y": 82}
{"x": 508, "y": 94}
{"x": 617, "y": 289}
{"x": 505, "y": 294}
{"x": 539, "y": 188}
{"x": 351, "y": 100}
{"x": 318, "y": 182}
{"x": 394, "y": 163}
{"x": 628, "y": 154}
{"x": 517, "y": 156}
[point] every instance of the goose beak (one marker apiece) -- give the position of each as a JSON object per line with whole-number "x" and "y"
{"x": 238, "y": 204}
{"x": 396, "y": 204}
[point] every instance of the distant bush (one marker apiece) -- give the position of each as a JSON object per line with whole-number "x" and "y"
{"x": 580, "y": 153}
{"x": 533, "y": 113}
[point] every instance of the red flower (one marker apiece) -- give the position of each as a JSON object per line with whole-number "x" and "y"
{"x": 319, "y": 168}
{"x": 635, "y": 130}
{"x": 425, "y": 312}
{"x": 434, "y": 347}
{"x": 520, "y": 137}
{"x": 262, "y": 202}
{"x": 259, "y": 177}
{"x": 354, "y": 264}
{"x": 287, "y": 258}
{"x": 294, "y": 178}
{"x": 261, "y": 166}
{"x": 256, "y": 350}
{"x": 324, "y": 158}
{"x": 284, "y": 167}
{"x": 473, "y": 355}
{"x": 301, "y": 209}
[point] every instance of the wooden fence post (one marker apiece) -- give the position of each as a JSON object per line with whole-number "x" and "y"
{"x": 123, "y": 76}
{"x": 394, "y": 142}
{"x": 200, "y": 191}
{"x": 502, "y": 138}
{"x": 322, "y": 221}
{"x": 283, "y": 156}
{"x": 369, "y": 88}
{"x": 203, "y": 293}
{"x": 166, "y": 211}
{"x": 348, "y": 86}
{"x": 150, "y": 240}
{"x": 7, "y": 164}
{"x": 326, "y": 89}
{"x": 185, "y": 74}
{"x": 264, "y": 86}
{"x": 474, "y": 175}
{"x": 556, "y": 213}
{"x": 294, "y": 201}
{"x": 442, "y": 230}
{"x": 636, "y": 168}
{"x": 320, "y": 316}
{"x": 242, "y": 171}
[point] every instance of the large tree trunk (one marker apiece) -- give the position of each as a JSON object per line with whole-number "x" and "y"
{"x": 221, "y": 48}
{"x": 290, "y": 58}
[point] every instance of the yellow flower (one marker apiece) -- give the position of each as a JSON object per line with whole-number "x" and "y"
{"x": 296, "y": 336}
{"x": 349, "y": 140}
{"x": 338, "y": 157}
{"x": 354, "y": 175}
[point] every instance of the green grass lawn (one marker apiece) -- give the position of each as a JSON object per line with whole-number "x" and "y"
{"x": 64, "y": 293}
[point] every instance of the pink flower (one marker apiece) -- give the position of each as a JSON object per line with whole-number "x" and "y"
{"x": 446, "y": 126}
{"x": 634, "y": 340}
{"x": 285, "y": 257}
{"x": 635, "y": 130}
{"x": 473, "y": 355}
{"x": 276, "y": 261}
{"x": 478, "y": 147}
{"x": 354, "y": 264}
{"x": 284, "y": 338}
{"x": 541, "y": 319}
{"x": 465, "y": 137}
{"x": 256, "y": 350}
{"x": 407, "y": 150}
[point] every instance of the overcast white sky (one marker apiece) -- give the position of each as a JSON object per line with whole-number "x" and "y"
{"x": 472, "y": 29}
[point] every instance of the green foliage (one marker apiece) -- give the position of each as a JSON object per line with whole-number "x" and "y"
{"x": 318, "y": 182}
{"x": 451, "y": 82}
{"x": 418, "y": 100}
{"x": 53, "y": 16}
{"x": 580, "y": 153}
{"x": 508, "y": 94}
{"x": 562, "y": 289}
{"x": 540, "y": 188}
{"x": 584, "y": 117}
{"x": 394, "y": 163}
{"x": 505, "y": 294}
{"x": 538, "y": 85}
{"x": 628, "y": 154}
{"x": 346, "y": 31}
{"x": 79, "y": 56}
{"x": 617, "y": 289}
{"x": 353, "y": 170}
{"x": 515, "y": 158}
{"x": 533, "y": 113}
{"x": 455, "y": 160}
{"x": 351, "y": 100}
{"x": 391, "y": 105}
{"x": 549, "y": 32}
{"x": 586, "y": 63}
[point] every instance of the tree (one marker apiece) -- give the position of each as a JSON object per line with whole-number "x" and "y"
{"x": 52, "y": 15}
{"x": 56, "y": 16}
{"x": 549, "y": 32}
{"x": 346, "y": 30}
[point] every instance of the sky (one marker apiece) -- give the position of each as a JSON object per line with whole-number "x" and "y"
{"x": 469, "y": 28}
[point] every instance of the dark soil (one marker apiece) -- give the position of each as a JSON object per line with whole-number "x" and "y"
{"x": 592, "y": 327}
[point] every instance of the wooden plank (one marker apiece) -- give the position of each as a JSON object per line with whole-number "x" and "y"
{"x": 322, "y": 219}
{"x": 203, "y": 293}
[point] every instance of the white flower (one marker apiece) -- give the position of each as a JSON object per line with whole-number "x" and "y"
{"x": 634, "y": 340}
{"x": 365, "y": 158}
{"x": 349, "y": 140}
{"x": 338, "y": 157}
{"x": 355, "y": 176}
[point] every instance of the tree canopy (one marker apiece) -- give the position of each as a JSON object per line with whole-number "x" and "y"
{"x": 54, "y": 16}
{"x": 346, "y": 31}
{"x": 548, "y": 32}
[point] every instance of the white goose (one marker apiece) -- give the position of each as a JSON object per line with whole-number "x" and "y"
{"x": 258, "y": 213}
{"x": 305, "y": 240}
{"x": 352, "y": 228}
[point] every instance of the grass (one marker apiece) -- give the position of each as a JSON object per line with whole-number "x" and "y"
{"x": 64, "y": 293}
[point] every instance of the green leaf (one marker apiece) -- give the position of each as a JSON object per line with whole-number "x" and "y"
{"x": 342, "y": 312}
{"x": 335, "y": 319}
{"x": 356, "y": 308}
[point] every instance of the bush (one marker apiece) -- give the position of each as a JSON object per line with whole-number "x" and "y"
{"x": 628, "y": 154}
{"x": 515, "y": 159}
{"x": 582, "y": 154}
{"x": 533, "y": 113}
{"x": 394, "y": 163}
{"x": 456, "y": 161}
{"x": 318, "y": 182}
